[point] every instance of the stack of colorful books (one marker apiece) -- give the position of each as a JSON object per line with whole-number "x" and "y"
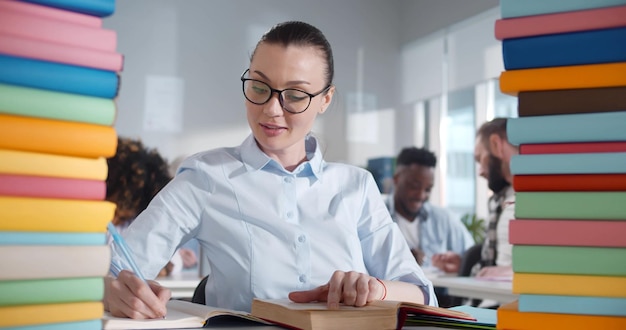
{"x": 59, "y": 75}
{"x": 565, "y": 60}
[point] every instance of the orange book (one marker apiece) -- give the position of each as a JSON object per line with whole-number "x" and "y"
{"x": 569, "y": 182}
{"x": 510, "y": 318}
{"x": 569, "y": 285}
{"x": 57, "y": 137}
{"x": 563, "y": 77}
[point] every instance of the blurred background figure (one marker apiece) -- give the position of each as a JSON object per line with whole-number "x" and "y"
{"x": 135, "y": 175}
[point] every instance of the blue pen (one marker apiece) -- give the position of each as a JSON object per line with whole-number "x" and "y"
{"x": 119, "y": 241}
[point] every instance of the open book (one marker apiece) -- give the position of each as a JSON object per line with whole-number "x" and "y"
{"x": 377, "y": 315}
{"x": 183, "y": 314}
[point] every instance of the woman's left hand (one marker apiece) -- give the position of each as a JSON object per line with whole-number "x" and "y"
{"x": 349, "y": 288}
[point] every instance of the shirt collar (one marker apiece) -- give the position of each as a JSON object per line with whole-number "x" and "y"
{"x": 255, "y": 159}
{"x": 422, "y": 215}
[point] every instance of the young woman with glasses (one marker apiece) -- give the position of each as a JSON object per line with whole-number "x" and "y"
{"x": 272, "y": 217}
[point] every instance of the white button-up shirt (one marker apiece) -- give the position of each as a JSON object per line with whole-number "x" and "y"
{"x": 267, "y": 231}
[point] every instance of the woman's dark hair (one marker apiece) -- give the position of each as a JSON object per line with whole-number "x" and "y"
{"x": 300, "y": 34}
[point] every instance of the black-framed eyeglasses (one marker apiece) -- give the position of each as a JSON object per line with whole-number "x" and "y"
{"x": 291, "y": 99}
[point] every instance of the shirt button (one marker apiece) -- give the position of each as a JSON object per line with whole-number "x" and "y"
{"x": 288, "y": 179}
{"x": 289, "y": 214}
{"x": 301, "y": 238}
{"x": 302, "y": 278}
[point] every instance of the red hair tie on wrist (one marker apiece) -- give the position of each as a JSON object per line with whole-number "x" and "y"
{"x": 384, "y": 288}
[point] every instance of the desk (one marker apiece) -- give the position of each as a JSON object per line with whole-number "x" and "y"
{"x": 470, "y": 287}
{"x": 182, "y": 284}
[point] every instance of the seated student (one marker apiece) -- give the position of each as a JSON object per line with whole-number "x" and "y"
{"x": 273, "y": 219}
{"x": 493, "y": 153}
{"x": 135, "y": 175}
{"x": 428, "y": 229}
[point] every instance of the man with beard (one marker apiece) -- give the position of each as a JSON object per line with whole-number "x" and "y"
{"x": 493, "y": 154}
{"x": 428, "y": 229}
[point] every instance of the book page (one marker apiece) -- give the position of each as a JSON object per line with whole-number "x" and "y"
{"x": 180, "y": 314}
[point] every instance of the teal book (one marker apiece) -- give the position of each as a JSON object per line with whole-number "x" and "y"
{"x": 48, "y": 291}
{"x": 51, "y": 238}
{"x": 572, "y": 260}
{"x": 585, "y": 127}
{"x": 592, "y": 205}
{"x": 80, "y": 325}
{"x": 98, "y": 8}
{"x": 572, "y": 305}
{"x": 574, "y": 163}
{"x": 45, "y": 104}
{"x": 518, "y": 8}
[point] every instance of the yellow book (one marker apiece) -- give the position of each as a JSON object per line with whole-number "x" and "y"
{"x": 12, "y": 316}
{"x": 510, "y": 318}
{"x": 34, "y": 163}
{"x": 563, "y": 77}
{"x": 54, "y": 215}
{"x": 569, "y": 285}
{"x": 25, "y": 262}
{"x": 57, "y": 137}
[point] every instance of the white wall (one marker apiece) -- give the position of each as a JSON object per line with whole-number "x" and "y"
{"x": 207, "y": 45}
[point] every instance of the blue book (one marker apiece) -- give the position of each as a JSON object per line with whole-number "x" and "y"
{"x": 563, "y": 49}
{"x": 98, "y": 8}
{"x": 58, "y": 77}
{"x": 80, "y": 325}
{"x": 50, "y": 238}
{"x": 576, "y": 163}
{"x": 572, "y": 305}
{"x": 587, "y": 127}
{"x": 518, "y": 8}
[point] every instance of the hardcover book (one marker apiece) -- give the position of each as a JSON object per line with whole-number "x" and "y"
{"x": 563, "y": 77}
{"x": 567, "y": 260}
{"x": 516, "y": 8}
{"x": 282, "y": 312}
{"x": 583, "y": 20}
{"x": 57, "y": 137}
{"x": 565, "y": 49}
{"x": 570, "y": 101}
{"x": 45, "y": 104}
{"x": 29, "y": 163}
{"x": 567, "y": 232}
{"x": 599, "y": 205}
{"x": 570, "y": 285}
{"x": 510, "y": 318}
{"x": 569, "y": 182}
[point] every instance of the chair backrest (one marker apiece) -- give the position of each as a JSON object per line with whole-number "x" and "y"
{"x": 470, "y": 258}
{"x": 199, "y": 295}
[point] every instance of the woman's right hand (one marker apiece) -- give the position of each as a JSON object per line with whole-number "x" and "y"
{"x": 129, "y": 296}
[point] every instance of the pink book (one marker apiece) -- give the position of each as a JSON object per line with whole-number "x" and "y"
{"x": 50, "y": 13}
{"x": 593, "y": 233}
{"x": 573, "y": 21}
{"x": 51, "y": 187}
{"x": 39, "y": 28}
{"x": 54, "y": 52}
